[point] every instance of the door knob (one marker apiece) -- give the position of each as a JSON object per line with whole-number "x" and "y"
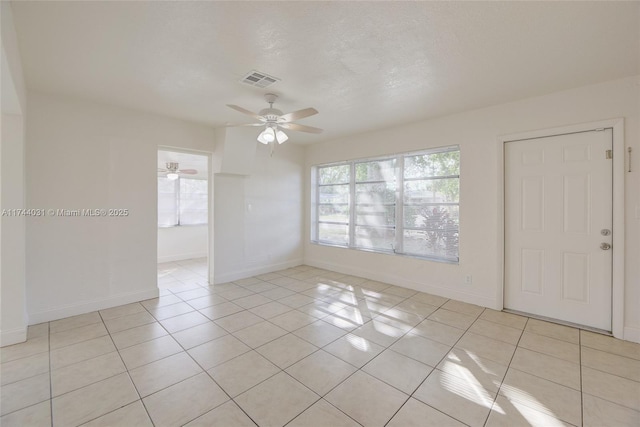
{"x": 605, "y": 246}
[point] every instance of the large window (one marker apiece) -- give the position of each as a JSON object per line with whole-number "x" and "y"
{"x": 182, "y": 201}
{"x": 404, "y": 204}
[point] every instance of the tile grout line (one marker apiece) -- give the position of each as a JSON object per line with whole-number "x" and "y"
{"x": 390, "y": 349}
{"x": 547, "y": 355}
{"x": 294, "y": 379}
{"x": 579, "y": 364}
{"x": 506, "y": 372}
{"x": 119, "y": 355}
{"x": 205, "y": 371}
{"x": 184, "y": 379}
{"x": 435, "y": 368}
{"x": 127, "y": 368}
{"x": 581, "y": 386}
{"x": 128, "y": 375}
{"x": 360, "y": 368}
{"x": 50, "y": 371}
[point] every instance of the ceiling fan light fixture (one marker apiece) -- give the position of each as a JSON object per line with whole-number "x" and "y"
{"x": 273, "y": 120}
{"x": 267, "y": 136}
{"x": 172, "y": 176}
{"x": 281, "y": 136}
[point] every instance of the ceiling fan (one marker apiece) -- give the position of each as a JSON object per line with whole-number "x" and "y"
{"x": 274, "y": 121}
{"x": 173, "y": 172}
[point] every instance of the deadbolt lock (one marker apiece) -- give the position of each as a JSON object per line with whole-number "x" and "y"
{"x": 605, "y": 232}
{"x": 605, "y": 246}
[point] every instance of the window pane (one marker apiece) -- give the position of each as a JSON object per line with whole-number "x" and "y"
{"x": 376, "y": 215}
{"x": 437, "y": 231}
{"x": 417, "y": 243}
{"x": 193, "y": 201}
{"x": 432, "y": 164}
{"x": 167, "y": 203}
{"x": 424, "y": 216}
{"x": 445, "y": 190}
{"x": 333, "y": 233}
{"x": 331, "y": 194}
{"x": 375, "y": 238}
{"x": 334, "y": 174}
{"x": 334, "y": 213}
{"x": 375, "y": 205}
{"x": 378, "y": 170}
{"x": 376, "y": 193}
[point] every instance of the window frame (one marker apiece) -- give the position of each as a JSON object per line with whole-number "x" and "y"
{"x": 399, "y": 226}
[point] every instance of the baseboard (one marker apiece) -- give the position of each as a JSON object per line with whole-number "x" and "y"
{"x": 254, "y": 271}
{"x": 89, "y": 306}
{"x": 632, "y": 333}
{"x": 431, "y": 288}
{"x": 13, "y": 336}
{"x": 181, "y": 257}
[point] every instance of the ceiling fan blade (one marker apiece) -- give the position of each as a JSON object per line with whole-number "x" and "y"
{"x": 247, "y": 112}
{"x": 301, "y": 128}
{"x": 188, "y": 171}
{"x": 161, "y": 170}
{"x": 297, "y": 115}
{"x": 230, "y": 125}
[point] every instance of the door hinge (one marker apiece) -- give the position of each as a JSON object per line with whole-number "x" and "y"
{"x": 609, "y": 154}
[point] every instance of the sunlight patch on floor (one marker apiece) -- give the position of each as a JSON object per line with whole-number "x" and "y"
{"x": 358, "y": 342}
{"x": 468, "y": 387}
{"x": 522, "y": 399}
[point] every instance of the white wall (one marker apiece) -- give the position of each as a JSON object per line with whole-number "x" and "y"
{"x": 82, "y": 155}
{"x": 182, "y": 242}
{"x": 258, "y": 218}
{"x": 14, "y": 95}
{"x": 13, "y": 325}
{"x": 12, "y": 248}
{"x": 476, "y": 132}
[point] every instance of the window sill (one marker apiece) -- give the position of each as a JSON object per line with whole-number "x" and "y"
{"x": 422, "y": 258}
{"x": 181, "y": 225}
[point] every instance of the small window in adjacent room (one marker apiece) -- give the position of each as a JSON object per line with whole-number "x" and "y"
{"x": 193, "y": 201}
{"x": 182, "y": 201}
{"x": 405, "y": 204}
{"x": 167, "y": 202}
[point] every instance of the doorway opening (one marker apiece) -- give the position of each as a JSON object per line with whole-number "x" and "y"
{"x": 184, "y": 200}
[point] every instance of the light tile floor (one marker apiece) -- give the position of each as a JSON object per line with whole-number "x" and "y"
{"x": 310, "y": 347}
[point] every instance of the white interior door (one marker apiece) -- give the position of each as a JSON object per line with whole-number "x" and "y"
{"x": 558, "y": 220}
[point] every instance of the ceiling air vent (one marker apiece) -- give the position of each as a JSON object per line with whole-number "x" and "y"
{"x": 258, "y": 79}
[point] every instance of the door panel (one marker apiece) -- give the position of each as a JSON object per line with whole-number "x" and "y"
{"x": 558, "y": 196}
{"x": 532, "y": 209}
{"x": 532, "y": 276}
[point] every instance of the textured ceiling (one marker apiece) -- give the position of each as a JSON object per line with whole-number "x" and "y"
{"x": 363, "y": 65}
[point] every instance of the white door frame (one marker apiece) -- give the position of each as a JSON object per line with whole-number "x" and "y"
{"x": 617, "y": 292}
